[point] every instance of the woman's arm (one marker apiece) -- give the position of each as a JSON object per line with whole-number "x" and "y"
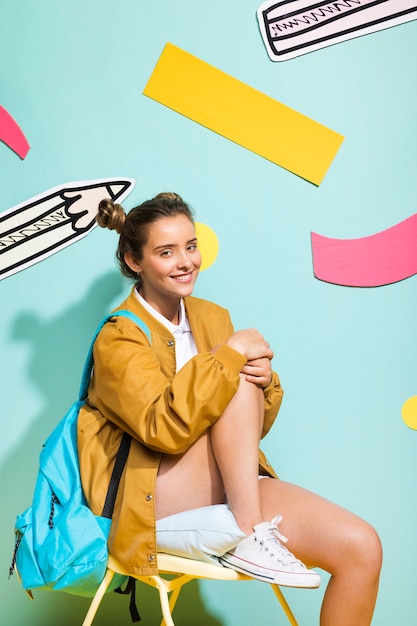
{"x": 130, "y": 389}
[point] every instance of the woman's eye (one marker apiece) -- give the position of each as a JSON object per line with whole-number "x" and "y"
{"x": 165, "y": 252}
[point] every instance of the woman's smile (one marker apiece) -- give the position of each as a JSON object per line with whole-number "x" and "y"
{"x": 184, "y": 278}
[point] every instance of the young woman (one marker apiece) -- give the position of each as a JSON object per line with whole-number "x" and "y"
{"x": 197, "y": 399}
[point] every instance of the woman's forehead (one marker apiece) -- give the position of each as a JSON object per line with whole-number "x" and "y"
{"x": 173, "y": 229}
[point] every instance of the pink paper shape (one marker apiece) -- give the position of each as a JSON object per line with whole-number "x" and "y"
{"x": 11, "y": 134}
{"x": 373, "y": 261}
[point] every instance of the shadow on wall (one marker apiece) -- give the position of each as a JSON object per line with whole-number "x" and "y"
{"x": 58, "y": 348}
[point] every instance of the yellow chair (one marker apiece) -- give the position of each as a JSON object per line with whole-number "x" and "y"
{"x": 180, "y": 571}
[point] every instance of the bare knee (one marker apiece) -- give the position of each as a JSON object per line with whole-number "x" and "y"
{"x": 246, "y": 408}
{"x": 251, "y": 396}
{"x": 363, "y": 550}
{"x": 248, "y": 387}
{"x": 373, "y": 542}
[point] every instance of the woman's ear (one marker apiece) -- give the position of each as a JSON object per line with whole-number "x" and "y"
{"x": 132, "y": 263}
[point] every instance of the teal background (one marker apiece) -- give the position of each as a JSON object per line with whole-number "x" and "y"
{"x": 72, "y": 75}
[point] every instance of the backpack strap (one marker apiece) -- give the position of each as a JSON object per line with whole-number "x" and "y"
{"x": 116, "y": 475}
{"x": 88, "y": 367}
{"x": 130, "y": 590}
{"x": 124, "y": 447}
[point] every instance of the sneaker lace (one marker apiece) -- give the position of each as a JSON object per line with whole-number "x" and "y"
{"x": 273, "y": 528}
{"x": 272, "y": 541}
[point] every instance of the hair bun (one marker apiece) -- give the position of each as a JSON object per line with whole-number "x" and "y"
{"x": 111, "y": 215}
{"x": 168, "y": 196}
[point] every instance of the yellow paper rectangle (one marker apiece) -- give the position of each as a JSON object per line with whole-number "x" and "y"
{"x": 242, "y": 114}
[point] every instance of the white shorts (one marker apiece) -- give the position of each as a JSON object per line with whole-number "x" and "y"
{"x": 203, "y": 534}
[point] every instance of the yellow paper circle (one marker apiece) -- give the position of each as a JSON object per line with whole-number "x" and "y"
{"x": 409, "y": 412}
{"x": 208, "y": 244}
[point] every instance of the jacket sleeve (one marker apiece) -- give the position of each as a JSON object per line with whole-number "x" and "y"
{"x": 129, "y": 388}
{"x": 273, "y": 395}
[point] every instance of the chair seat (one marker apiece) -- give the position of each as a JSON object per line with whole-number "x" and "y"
{"x": 171, "y": 564}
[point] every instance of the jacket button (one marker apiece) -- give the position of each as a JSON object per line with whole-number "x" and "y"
{"x": 149, "y": 497}
{"x": 151, "y": 557}
{"x": 170, "y": 343}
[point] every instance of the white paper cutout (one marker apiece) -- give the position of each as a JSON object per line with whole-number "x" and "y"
{"x": 51, "y": 221}
{"x": 292, "y": 28}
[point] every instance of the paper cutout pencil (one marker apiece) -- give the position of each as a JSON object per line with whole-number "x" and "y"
{"x": 294, "y": 27}
{"x": 51, "y": 221}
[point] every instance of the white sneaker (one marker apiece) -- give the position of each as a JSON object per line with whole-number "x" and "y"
{"x": 261, "y": 555}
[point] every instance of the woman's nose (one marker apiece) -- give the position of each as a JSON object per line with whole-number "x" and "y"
{"x": 184, "y": 260}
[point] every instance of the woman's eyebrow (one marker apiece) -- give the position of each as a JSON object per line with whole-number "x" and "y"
{"x": 174, "y": 245}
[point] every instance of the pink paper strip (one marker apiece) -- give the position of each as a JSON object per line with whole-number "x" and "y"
{"x": 380, "y": 259}
{"x": 11, "y": 134}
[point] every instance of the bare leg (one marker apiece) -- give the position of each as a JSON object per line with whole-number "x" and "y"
{"x": 189, "y": 480}
{"x": 225, "y": 460}
{"x": 325, "y": 535}
{"x": 235, "y": 441}
{"x": 320, "y": 533}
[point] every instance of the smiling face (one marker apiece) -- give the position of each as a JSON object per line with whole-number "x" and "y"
{"x": 169, "y": 265}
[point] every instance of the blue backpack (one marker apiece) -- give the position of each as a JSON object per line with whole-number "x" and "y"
{"x": 60, "y": 544}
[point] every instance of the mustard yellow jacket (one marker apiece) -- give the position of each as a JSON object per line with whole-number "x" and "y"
{"x": 135, "y": 388}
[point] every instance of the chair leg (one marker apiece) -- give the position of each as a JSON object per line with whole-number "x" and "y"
{"x": 172, "y": 602}
{"x": 172, "y": 587}
{"x": 95, "y": 603}
{"x": 285, "y": 605}
{"x": 165, "y": 587}
{"x": 160, "y": 584}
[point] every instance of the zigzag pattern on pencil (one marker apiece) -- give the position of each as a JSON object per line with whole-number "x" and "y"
{"x": 315, "y": 18}
{"x": 31, "y": 230}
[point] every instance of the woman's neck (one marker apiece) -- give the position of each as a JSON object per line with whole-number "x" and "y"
{"x": 170, "y": 309}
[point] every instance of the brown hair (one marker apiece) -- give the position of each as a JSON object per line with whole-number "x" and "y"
{"x": 133, "y": 227}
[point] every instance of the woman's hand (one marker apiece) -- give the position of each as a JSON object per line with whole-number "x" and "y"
{"x": 258, "y": 371}
{"x": 251, "y": 344}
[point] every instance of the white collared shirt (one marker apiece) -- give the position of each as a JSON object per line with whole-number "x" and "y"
{"x": 185, "y": 347}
